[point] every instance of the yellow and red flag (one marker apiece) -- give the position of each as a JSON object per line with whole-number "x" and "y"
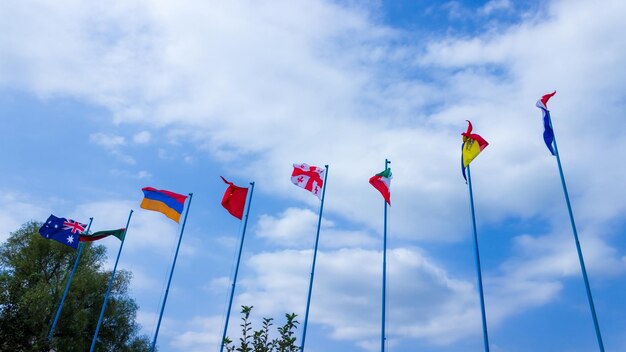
{"x": 473, "y": 144}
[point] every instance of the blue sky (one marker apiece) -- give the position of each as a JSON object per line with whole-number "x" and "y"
{"x": 100, "y": 100}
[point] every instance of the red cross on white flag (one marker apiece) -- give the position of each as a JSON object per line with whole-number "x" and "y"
{"x": 309, "y": 177}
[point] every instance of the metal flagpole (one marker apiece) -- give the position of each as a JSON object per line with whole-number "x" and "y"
{"x": 478, "y": 271}
{"x": 317, "y": 239}
{"x": 578, "y": 248}
{"x": 382, "y": 336}
{"x": 106, "y": 297}
{"x": 232, "y": 289}
{"x": 67, "y": 286}
{"x": 169, "y": 281}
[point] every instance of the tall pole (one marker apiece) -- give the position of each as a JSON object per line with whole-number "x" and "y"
{"x": 478, "y": 270}
{"x": 232, "y": 289}
{"x": 317, "y": 239}
{"x": 383, "y": 331}
{"x": 169, "y": 281}
{"x": 67, "y": 286}
{"x": 578, "y": 248}
{"x": 106, "y": 297}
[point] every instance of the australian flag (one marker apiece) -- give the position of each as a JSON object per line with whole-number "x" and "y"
{"x": 62, "y": 230}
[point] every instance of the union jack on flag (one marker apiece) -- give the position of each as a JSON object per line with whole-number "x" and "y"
{"x": 62, "y": 230}
{"x": 74, "y": 226}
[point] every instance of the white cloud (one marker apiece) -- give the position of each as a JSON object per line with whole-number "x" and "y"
{"x": 296, "y": 228}
{"x": 107, "y": 141}
{"x": 293, "y": 227}
{"x": 204, "y": 333}
{"x": 493, "y": 6}
{"x": 112, "y": 143}
{"x": 142, "y": 137}
{"x": 16, "y": 209}
{"x": 220, "y": 284}
{"x": 141, "y": 175}
{"x": 347, "y": 291}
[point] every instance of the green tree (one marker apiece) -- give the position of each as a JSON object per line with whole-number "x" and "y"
{"x": 33, "y": 275}
{"x": 259, "y": 341}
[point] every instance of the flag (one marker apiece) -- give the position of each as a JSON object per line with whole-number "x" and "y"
{"x": 234, "y": 199}
{"x": 472, "y": 145}
{"x": 62, "y": 230}
{"x": 382, "y": 182}
{"x": 169, "y": 203}
{"x": 119, "y": 233}
{"x": 548, "y": 133}
{"x": 309, "y": 178}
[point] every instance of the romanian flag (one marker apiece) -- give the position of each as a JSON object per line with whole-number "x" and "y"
{"x": 473, "y": 144}
{"x": 169, "y": 203}
{"x": 548, "y": 133}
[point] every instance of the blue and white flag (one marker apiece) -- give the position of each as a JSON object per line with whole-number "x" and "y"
{"x": 62, "y": 230}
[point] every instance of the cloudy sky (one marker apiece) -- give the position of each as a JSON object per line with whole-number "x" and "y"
{"x": 98, "y": 100}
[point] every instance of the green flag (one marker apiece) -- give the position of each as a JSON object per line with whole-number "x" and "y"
{"x": 119, "y": 233}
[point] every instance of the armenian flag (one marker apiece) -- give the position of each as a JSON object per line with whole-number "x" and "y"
{"x": 169, "y": 203}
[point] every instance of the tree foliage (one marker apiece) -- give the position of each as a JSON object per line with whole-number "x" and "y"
{"x": 33, "y": 275}
{"x": 259, "y": 340}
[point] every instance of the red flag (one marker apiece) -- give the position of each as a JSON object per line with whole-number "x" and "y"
{"x": 234, "y": 199}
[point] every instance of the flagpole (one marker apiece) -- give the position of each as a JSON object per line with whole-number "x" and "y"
{"x": 106, "y": 296}
{"x": 478, "y": 271}
{"x": 578, "y": 248}
{"x": 67, "y": 286}
{"x": 169, "y": 281}
{"x": 317, "y": 239}
{"x": 232, "y": 289}
{"x": 382, "y": 335}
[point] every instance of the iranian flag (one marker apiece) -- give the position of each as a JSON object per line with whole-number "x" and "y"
{"x": 309, "y": 177}
{"x": 382, "y": 182}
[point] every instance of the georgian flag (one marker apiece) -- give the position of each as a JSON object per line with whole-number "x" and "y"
{"x": 309, "y": 177}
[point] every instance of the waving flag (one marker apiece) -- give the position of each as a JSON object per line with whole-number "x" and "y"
{"x": 119, "y": 233}
{"x": 309, "y": 178}
{"x": 473, "y": 144}
{"x": 169, "y": 203}
{"x": 62, "y": 230}
{"x": 234, "y": 199}
{"x": 382, "y": 182}
{"x": 548, "y": 133}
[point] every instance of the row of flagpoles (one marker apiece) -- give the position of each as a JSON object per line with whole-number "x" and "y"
{"x": 237, "y": 200}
